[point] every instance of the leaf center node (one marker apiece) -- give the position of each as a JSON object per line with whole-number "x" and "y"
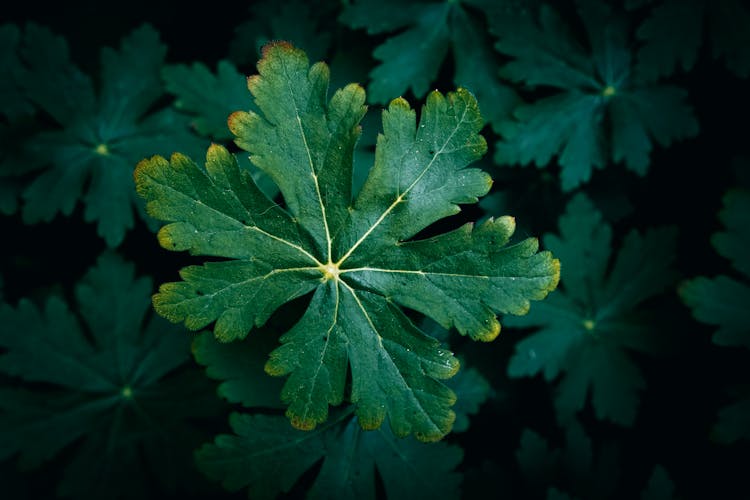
{"x": 589, "y": 324}
{"x": 609, "y": 91}
{"x": 102, "y": 150}
{"x": 330, "y": 271}
{"x": 127, "y": 392}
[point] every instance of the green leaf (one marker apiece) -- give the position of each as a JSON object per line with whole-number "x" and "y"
{"x": 674, "y": 32}
{"x": 722, "y": 301}
{"x": 600, "y": 110}
{"x": 588, "y": 471}
{"x": 474, "y": 390}
{"x": 13, "y": 103}
{"x": 671, "y": 37}
{"x": 240, "y": 368}
{"x": 412, "y": 58}
{"x": 732, "y": 424}
{"x": 267, "y": 456}
{"x": 585, "y": 329}
{"x": 210, "y": 98}
{"x": 538, "y": 462}
{"x": 293, "y": 20}
{"x": 659, "y": 486}
{"x": 111, "y": 385}
{"x": 733, "y": 242}
{"x": 352, "y": 256}
{"x": 102, "y": 135}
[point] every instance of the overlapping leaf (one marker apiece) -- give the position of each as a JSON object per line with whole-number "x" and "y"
{"x": 723, "y": 301}
{"x": 297, "y": 21}
{"x": 268, "y": 457}
{"x": 412, "y": 58}
{"x": 112, "y": 386}
{"x": 102, "y": 134}
{"x": 354, "y": 255}
{"x": 13, "y": 102}
{"x": 589, "y": 471}
{"x": 209, "y": 97}
{"x": 601, "y": 110}
{"x": 587, "y": 327}
{"x": 675, "y": 30}
{"x": 15, "y": 126}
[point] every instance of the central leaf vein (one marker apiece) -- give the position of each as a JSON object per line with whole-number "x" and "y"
{"x": 310, "y": 161}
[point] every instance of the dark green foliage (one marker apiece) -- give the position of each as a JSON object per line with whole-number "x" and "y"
{"x": 209, "y": 98}
{"x": 675, "y": 31}
{"x": 723, "y": 302}
{"x": 587, "y": 327}
{"x": 601, "y": 95}
{"x": 268, "y": 456}
{"x": 601, "y": 110}
{"x": 101, "y": 135}
{"x": 410, "y": 60}
{"x": 104, "y": 391}
{"x": 296, "y": 21}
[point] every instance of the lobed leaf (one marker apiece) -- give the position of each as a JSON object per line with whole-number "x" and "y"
{"x": 585, "y": 329}
{"x": 353, "y": 343}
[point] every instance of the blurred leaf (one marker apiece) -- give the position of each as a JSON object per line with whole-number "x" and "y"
{"x": 586, "y": 328}
{"x": 267, "y": 456}
{"x": 588, "y": 471}
{"x": 112, "y": 392}
{"x": 600, "y": 111}
{"x": 674, "y": 32}
{"x": 472, "y": 391}
{"x": 102, "y": 136}
{"x": 295, "y": 21}
{"x": 239, "y": 366}
{"x": 13, "y": 102}
{"x": 659, "y": 487}
{"x": 723, "y": 301}
{"x": 412, "y": 58}
{"x": 209, "y": 98}
{"x": 733, "y": 421}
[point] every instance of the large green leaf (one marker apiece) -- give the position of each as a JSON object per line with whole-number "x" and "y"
{"x": 600, "y": 110}
{"x": 585, "y": 329}
{"x": 102, "y": 392}
{"x": 101, "y": 135}
{"x": 354, "y": 255}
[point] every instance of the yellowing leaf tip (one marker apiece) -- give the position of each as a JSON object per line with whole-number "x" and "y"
{"x": 489, "y": 334}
